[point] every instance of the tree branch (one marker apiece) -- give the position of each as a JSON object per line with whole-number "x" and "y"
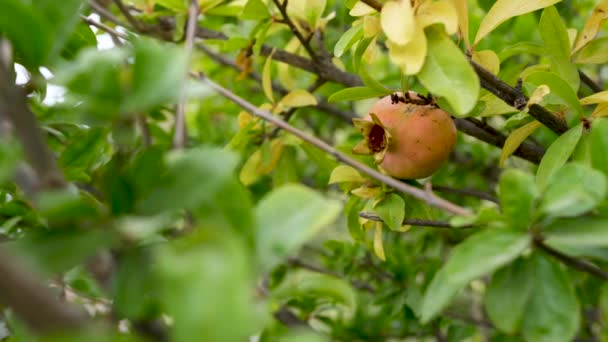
{"x": 422, "y": 195}
{"x": 573, "y": 262}
{"x": 517, "y": 99}
{"x": 414, "y": 222}
{"x": 596, "y": 88}
{"x": 466, "y": 192}
{"x": 14, "y": 107}
{"x": 305, "y": 42}
{"x": 181, "y": 132}
{"x": 34, "y": 303}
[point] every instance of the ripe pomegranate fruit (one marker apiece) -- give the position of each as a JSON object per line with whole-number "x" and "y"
{"x": 409, "y": 137}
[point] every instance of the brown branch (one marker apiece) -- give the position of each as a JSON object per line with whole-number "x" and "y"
{"x": 527, "y": 150}
{"x": 107, "y": 15}
{"x": 429, "y": 198}
{"x": 596, "y": 88}
{"x": 33, "y": 302}
{"x": 14, "y": 107}
{"x": 517, "y": 99}
{"x": 287, "y": 20}
{"x": 466, "y": 192}
{"x": 568, "y": 260}
{"x": 104, "y": 28}
{"x": 181, "y": 132}
{"x": 322, "y": 104}
{"x": 414, "y": 222}
{"x": 138, "y": 25}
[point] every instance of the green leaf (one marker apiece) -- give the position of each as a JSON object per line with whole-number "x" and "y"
{"x": 344, "y": 173}
{"x": 557, "y": 154}
{"x": 306, "y": 284}
{"x": 360, "y": 50}
{"x": 205, "y": 285}
{"x": 193, "y": 178}
{"x": 517, "y": 196}
{"x": 28, "y": 30}
{"x": 581, "y": 231}
{"x": 255, "y": 10}
{"x": 484, "y": 252}
{"x": 348, "y": 39}
{"x": 438, "y": 295}
{"x": 355, "y": 93}
{"x": 159, "y": 73}
{"x": 82, "y": 38}
{"x": 553, "y": 313}
{"x": 370, "y": 82}
{"x": 595, "y": 52}
{"x": 599, "y": 145}
{"x": 287, "y": 218}
{"x": 573, "y": 190}
{"x": 178, "y": 6}
{"x": 557, "y": 45}
{"x": 446, "y": 72}
{"x": 134, "y": 287}
{"x": 10, "y": 155}
{"x": 503, "y": 10}
{"x": 558, "y": 87}
{"x": 352, "y": 209}
{"x": 83, "y": 151}
{"x": 507, "y": 295}
{"x": 63, "y": 17}
{"x": 392, "y": 211}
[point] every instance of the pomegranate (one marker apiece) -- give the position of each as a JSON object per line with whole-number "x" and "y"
{"x": 409, "y": 136}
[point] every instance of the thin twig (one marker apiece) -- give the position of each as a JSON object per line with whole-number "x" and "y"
{"x": 107, "y": 15}
{"x": 466, "y": 192}
{"x": 181, "y": 132}
{"x": 103, "y": 27}
{"x": 596, "y": 88}
{"x": 305, "y": 42}
{"x": 125, "y": 11}
{"x": 573, "y": 262}
{"x": 429, "y": 198}
{"x": 415, "y": 222}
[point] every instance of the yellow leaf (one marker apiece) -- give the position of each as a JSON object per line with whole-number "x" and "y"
{"x": 371, "y": 26}
{"x": 366, "y": 192}
{"x": 601, "y": 110}
{"x": 487, "y": 59}
{"x": 298, "y": 98}
{"x": 244, "y": 119}
{"x": 595, "y": 98}
{"x": 360, "y": 9}
{"x": 397, "y": 21}
{"x": 462, "y": 10}
{"x": 539, "y": 93}
{"x": 267, "y": 79}
{"x": 503, "y": 10}
{"x": 370, "y": 53}
{"x": 285, "y": 71}
{"x": 255, "y": 166}
{"x": 494, "y": 106}
{"x": 378, "y": 244}
{"x": 440, "y": 12}
{"x": 516, "y": 138}
{"x": 571, "y": 36}
{"x": 592, "y": 26}
{"x": 409, "y": 57}
{"x": 343, "y": 174}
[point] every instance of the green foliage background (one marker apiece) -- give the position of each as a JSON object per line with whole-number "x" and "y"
{"x": 237, "y": 230}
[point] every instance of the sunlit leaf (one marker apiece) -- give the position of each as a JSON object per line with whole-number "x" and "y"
{"x": 557, "y": 154}
{"x": 447, "y": 73}
{"x": 266, "y": 78}
{"x": 355, "y": 93}
{"x": 462, "y": 10}
{"x": 595, "y": 52}
{"x": 502, "y": 10}
{"x": 378, "y": 243}
{"x": 438, "y": 12}
{"x": 344, "y": 173}
{"x": 592, "y": 26}
{"x": 411, "y": 56}
{"x": 392, "y": 211}
{"x": 397, "y": 21}
{"x": 487, "y": 59}
{"x": 360, "y": 9}
{"x": 516, "y": 138}
{"x": 347, "y": 40}
{"x": 298, "y": 98}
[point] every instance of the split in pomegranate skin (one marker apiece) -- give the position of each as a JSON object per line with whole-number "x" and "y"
{"x": 408, "y": 138}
